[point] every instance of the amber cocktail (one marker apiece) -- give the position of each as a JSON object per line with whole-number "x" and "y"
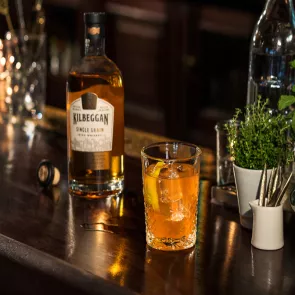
{"x": 171, "y": 188}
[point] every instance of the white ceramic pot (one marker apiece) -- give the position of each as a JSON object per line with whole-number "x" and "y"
{"x": 267, "y": 231}
{"x": 247, "y": 183}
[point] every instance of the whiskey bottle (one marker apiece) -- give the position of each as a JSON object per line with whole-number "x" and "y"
{"x": 95, "y": 118}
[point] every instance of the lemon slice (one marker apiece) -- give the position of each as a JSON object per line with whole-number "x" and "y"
{"x": 151, "y": 187}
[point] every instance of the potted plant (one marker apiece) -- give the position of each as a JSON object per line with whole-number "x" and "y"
{"x": 260, "y": 139}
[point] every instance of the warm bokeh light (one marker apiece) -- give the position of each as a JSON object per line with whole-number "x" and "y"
{"x": 11, "y": 59}
{"x": 9, "y": 90}
{"x": 8, "y": 36}
{"x": 3, "y": 61}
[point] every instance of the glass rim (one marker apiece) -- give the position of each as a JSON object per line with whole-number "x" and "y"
{"x": 165, "y": 143}
{"x": 220, "y": 124}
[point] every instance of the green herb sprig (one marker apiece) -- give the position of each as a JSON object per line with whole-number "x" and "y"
{"x": 259, "y": 137}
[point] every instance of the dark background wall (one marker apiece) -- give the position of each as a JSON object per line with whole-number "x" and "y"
{"x": 184, "y": 63}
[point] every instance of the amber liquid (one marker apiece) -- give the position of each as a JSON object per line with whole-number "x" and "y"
{"x": 86, "y": 181}
{"x": 171, "y": 207}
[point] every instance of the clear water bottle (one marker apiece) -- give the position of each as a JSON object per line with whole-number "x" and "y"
{"x": 271, "y": 51}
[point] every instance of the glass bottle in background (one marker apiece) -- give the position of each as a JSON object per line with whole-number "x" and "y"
{"x": 272, "y": 49}
{"x": 95, "y": 117}
{"x": 224, "y": 160}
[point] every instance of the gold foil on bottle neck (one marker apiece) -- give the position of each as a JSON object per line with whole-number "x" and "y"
{"x": 94, "y": 30}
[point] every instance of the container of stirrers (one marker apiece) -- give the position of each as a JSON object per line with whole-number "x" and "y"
{"x": 267, "y": 233}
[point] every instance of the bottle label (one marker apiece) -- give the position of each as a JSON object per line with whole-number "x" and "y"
{"x": 91, "y": 123}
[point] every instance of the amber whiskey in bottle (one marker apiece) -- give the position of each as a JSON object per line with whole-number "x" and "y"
{"x": 95, "y": 118}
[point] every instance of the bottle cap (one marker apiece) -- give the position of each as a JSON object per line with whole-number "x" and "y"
{"x": 93, "y": 18}
{"x": 47, "y": 174}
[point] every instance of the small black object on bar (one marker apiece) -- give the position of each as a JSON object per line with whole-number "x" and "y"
{"x": 47, "y": 174}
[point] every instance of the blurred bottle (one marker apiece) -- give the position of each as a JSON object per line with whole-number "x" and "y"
{"x": 271, "y": 51}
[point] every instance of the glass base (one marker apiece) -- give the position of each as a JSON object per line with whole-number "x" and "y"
{"x": 96, "y": 191}
{"x": 169, "y": 244}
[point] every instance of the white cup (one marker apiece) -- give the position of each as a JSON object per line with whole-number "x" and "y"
{"x": 267, "y": 232}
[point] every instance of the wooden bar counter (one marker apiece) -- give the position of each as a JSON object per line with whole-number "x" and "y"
{"x": 51, "y": 242}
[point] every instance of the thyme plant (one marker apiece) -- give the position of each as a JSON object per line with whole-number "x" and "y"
{"x": 259, "y": 136}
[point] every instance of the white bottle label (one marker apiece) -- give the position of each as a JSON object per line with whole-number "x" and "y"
{"x": 91, "y": 123}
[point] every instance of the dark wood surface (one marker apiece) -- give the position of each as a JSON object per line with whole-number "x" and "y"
{"x": 106, "y": 238}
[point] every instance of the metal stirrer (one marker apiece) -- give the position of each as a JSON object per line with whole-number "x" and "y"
{"x": 271, "y": 183}
{"x": 276, "y": 184}
{"x": 262, "y": 191}
{"x": 280, "y": 196}
{"x": 272, "y": 194}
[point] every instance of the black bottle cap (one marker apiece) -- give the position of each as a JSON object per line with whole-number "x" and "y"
{"x": 93, "y": 18}
{"x": 47, "y": 174}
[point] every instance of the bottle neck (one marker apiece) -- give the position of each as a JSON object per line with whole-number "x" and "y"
{"x": 94, "y": 40}
{"x": 280, "y": 10}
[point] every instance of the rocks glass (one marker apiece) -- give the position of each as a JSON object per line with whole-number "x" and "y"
{"x": 171, "y": 187}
